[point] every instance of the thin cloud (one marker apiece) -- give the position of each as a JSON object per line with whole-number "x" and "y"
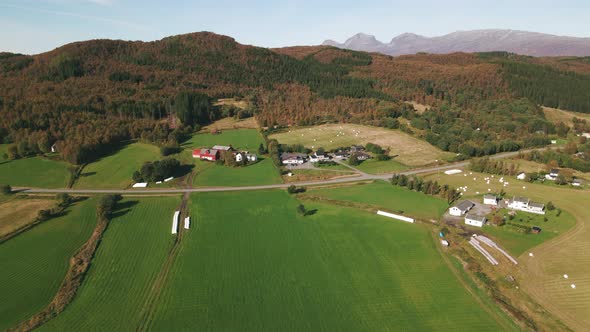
{"x": 102, "y": 2}
{"x": 82, "y": 16}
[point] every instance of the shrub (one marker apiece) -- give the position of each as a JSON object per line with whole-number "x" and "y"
{"x": 550, "y": 206}
{"x": 301, "y": 210}
{"x": 5, "y": 189}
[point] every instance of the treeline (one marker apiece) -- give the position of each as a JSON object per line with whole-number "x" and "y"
{"x": 548, "y": 86}
{"x": 561, "y": 158}
{"x": 499, "y": 167}
{"x": 427, "y": 187}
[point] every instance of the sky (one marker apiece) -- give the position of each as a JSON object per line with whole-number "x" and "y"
{"x": 36, "y": 26}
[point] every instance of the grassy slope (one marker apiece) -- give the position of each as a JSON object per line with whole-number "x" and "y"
{"x": 340, "y": 269}
{"x": 17, "y": 212}
{"x": 244, "y": 139}
{"x": 392, "y": 198}
{"x": 373, "y": 166}
{"x": 35, "y": 262}
{"x": 33, "y": 172}
{"x": 115, "y": 171}
{"x": 410, "y": 150}
{"x": 210, "y": 174}
{"x": 130, "y": 256}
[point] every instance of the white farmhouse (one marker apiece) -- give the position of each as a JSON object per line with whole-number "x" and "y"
{"x": 490, "y": 200}
{"x": 293, "y": 158}
{"x": 461, "y": 208}
{"x": 552, "y": 174}
{"x": 474, "y": 220}
{"x": 249, "y": 157}
{"x": 525, "y": 204}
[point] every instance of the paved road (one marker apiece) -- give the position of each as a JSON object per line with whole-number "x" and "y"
{"x": 361, "y": 177}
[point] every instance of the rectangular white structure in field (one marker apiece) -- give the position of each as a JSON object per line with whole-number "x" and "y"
{"x": 187, "y": 222}
{"x": 175, "y": 222}
{"x": 140, "y": 185}
{"x": 395, "y": 216}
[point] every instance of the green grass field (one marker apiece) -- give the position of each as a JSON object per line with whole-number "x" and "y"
{"x": 115, "y": 171}
{"x": 33, "y": 172}
{"x": 373, "y": 166}
{"x": 34, "y": 263}
{"x": 255, "y": 265}
{"x": 130, "y": 256}
{"x": 390, "y": 198}
{"x": 211, "y": 174}
{"x": 518, "y": 243}
{"x": 244, "y": 139}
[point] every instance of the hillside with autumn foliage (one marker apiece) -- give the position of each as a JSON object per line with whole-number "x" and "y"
{"x": 88, "y": 96}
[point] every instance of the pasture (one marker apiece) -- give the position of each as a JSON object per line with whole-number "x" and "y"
{"x": 567, "y": 253}
{"x": 373, "y": 166}
{"x": 256, "y": 265}
{"x": 36, "y": 172}
{"x": 209, "y": 174}
{"x": 383, "y": 195}
{"x": 34, "y": 263}
{"x": 557, "y": 115}
{"x": 243, "y": 139}
{"x": 17, "y": 212}
{"x": 115, "y": 170}
{"x": 130, "y": 256}
{"x": 408, "y": 150}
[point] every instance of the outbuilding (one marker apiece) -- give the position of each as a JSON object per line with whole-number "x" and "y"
{"x": 475, "y": 220}
{"x": 490, "y": 200}
{"x": 206, "y": 154}
{"x": 521, "y": 176}
{"x": 461, "y": 208}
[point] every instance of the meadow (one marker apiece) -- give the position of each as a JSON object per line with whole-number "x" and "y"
{"x": 518, "y": 243}
{"x": 257, "y": 265}
{"x": 116, "y": 170}
{"x": 34, "y": 263}
{"x": 130, "y": 256}
{"x": 374, "y": 166}
{"x": 381, "y": 194}
{"x": 557, "y": 115}
{"x": 567, "y": 253}
{"x": 243, "y": 139}
{"x": 16, "y": 212}
{"x": 36, "y": 172}
{"x": 209, "y": 174}
{"x": 408, "y": 150}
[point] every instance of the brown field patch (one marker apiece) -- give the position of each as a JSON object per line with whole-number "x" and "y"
{"x": 557, "y": 115}
{"x": 420, "y": 108}
{"x": 243, "y": 104}
{"x": 17, "y": 213}
{"x": 231, "y": 123}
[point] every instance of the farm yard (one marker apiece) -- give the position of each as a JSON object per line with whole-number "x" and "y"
{"x": 38, "y": 172}
{"x": 115, "y": 170}
{"x": 408, "y": 150}
{"x": 132, "y": 252}
{"x": 338, "y": 269}
{"x": 569, "y": 253}
{"x": 34, "y": 263}
{"x": 390, "y": 198}
{"x": 16, "y": 212}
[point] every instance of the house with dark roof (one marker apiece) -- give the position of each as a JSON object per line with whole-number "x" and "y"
{"x": 461, "y": 208}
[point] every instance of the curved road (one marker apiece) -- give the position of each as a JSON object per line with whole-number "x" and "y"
{"x": 361, "y": 177}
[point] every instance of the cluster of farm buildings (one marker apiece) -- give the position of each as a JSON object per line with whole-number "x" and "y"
{"x": 295, "y": 158}
{"x": 215, "y": 153}
{"x": 515, "y": 203}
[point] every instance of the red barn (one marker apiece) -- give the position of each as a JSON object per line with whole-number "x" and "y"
{"x": 206, "y": 154}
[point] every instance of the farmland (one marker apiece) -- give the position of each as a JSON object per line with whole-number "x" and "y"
{"x": 35, "y": 262}
{"x": 338, "y": 269}
{"x": 115, "y": 170}
{"x": 245, "y": 139}
{"x": 569, "y": 253}
{"x": 373, "y": 166}
{"x": 16, "y": 213}
{"x": 409, "y": 150}
{"x": 260, "y": 173}
{"x": 132, "y": 251}
{"x": 391, "y": 198}
{"x": 36, "y": 172}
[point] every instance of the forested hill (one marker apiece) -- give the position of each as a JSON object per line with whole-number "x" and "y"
{"x": 87, "y": 96}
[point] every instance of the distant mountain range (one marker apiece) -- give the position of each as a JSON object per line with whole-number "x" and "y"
{"x": 514, "y": 41}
